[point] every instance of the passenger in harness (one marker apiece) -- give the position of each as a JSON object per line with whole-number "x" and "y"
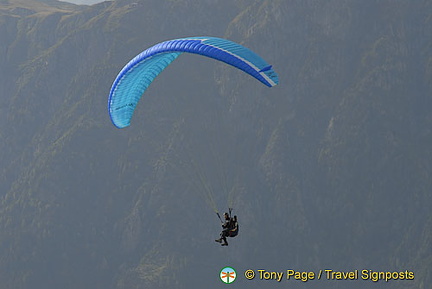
{"x": 229, "y": 229}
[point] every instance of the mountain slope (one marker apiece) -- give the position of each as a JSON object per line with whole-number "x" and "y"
{"x": 329, "y": 169}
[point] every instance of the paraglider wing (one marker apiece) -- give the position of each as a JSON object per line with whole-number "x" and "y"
{"x": 136, "y": 76}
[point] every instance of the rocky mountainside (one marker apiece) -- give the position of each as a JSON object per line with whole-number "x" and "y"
{"x": 331, "y": 169}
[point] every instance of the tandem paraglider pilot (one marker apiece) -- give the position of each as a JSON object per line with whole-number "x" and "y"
{"x": 229, "y": 229}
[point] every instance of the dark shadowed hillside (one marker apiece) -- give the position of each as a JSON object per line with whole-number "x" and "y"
{"x": 331, "y": 169}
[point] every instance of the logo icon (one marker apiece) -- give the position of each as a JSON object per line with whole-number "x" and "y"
{"x": 228, "y": 275}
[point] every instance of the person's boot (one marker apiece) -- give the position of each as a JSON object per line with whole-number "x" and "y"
{"x": 218, "y": 240}
{"x": 225, "y": 243}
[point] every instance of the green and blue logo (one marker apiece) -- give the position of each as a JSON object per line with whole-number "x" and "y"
{"x": 228, "y": 275}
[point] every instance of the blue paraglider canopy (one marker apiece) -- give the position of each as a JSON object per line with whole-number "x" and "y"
{"x": 136, "y": 76}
